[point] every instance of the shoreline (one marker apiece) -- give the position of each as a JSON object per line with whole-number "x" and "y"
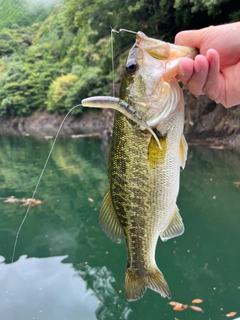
{"x": 45, "y": 125}
{"x": 206, "y": 124}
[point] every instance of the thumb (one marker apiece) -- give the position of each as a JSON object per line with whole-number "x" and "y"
{"x": 190, "y": 38}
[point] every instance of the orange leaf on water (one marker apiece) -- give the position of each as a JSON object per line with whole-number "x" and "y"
{"x": 180, "y": 307}
{"x": 197, "y": 301}
{"x": 196, "y": 308}
{"x": 231, "y": 314}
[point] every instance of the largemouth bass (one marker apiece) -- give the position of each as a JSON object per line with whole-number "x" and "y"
{"x": 147, "y": 150}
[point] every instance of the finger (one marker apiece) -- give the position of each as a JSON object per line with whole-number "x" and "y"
{"x": 230, "y": 83}
{"x": 198, "y": 80}
{"x": 190, "y": 38}
{"x": 185, "y": 70}
{"x": 212, "y": 87}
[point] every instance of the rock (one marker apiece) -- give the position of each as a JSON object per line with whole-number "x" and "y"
{"x": 206, "y": 120}
{"x": 42, "y": 124}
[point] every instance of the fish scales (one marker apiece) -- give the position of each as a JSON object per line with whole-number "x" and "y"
{"x": 147, "y": 150}
{"x": 137, "y": 201}
{"x": 165, "y": 179}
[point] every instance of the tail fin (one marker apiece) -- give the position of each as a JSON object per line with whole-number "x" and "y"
{"x": 136, "y": 285}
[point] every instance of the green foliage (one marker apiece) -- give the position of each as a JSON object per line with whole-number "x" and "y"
{"x": 59, "y": 91}
{"x": 52, "y": 58}
{"x": 235, "y": 16}
{"x": 196, "y": 5}
{"x": 15, "y": 13}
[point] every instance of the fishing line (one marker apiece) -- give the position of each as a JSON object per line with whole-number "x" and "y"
{"x": 124, "y": 30}
{"x": 113, "y": 71}
{"x": 35, "y": 190}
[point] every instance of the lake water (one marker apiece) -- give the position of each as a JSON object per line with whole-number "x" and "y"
{"x": 65, "y": 268}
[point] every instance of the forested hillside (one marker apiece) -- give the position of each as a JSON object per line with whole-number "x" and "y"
{"x": 52, "y": 56}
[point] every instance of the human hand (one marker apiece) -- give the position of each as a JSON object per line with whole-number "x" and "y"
{"x": 216, "y": 70}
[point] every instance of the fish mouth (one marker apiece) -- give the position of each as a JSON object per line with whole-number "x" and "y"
{"x": 164, "y": 50}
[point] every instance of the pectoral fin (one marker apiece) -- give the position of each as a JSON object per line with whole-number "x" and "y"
{"x": 183, "y": 148}
{"x": 108, "y": 219}
{"x": 175, "y": 227}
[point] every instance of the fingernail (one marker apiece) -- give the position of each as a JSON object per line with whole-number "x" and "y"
{"x": 181, "y": 69}
{"x": 197, "y": 68}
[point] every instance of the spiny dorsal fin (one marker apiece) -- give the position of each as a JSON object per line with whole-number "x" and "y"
{"x": 175, "y": 227}
{"x": 108, "y": 219}
{"x": 183, "y": 148}
{"x": 136, "y": 285}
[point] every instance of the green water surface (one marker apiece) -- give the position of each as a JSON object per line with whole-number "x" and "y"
{"x": 65, "y": 268}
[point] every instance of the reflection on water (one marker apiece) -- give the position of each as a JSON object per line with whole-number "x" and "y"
{"x": 66, "y": 268}
{"x": 36, "y": 288}
{"x": 100, "y": 280}
{"x": 53, "y": 288}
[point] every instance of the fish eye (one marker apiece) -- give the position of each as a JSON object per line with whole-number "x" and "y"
{"x": 131, "y": 66}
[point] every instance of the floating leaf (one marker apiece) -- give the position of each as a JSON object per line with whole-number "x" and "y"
{"x": 26, "y": 202}
{"x": 180, "y": 307}
{"x": 231, "y": 314}
{"x": 237, "y": 184}
{"x": 11, "y": 199}
{"x": 196, "y": 308}
{"x": 197, "y": 301}
{"x": 31, "y": 202}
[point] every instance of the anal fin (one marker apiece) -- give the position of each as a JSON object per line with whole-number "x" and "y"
{"x": 175, "y": 227}
{"x": 108, "y": 219}
{"x": 183, "y": 148}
